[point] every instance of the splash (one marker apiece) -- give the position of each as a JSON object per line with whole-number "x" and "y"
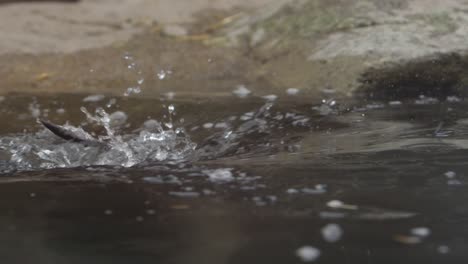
{"x": 43, "y": 150}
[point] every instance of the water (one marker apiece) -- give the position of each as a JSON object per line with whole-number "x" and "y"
{"x": 259, "y": 181}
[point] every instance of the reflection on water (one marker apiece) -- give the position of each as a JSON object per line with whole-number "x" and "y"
{"x": 267, "y": 183}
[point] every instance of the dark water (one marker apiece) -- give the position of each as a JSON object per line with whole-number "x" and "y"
{"x": 391, "y": 178}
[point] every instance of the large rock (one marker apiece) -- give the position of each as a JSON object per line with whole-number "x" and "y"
{"x": 346, "y": 45}
{"x": 338, "y": 48}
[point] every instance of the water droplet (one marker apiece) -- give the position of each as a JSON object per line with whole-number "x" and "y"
{"x": 335, "y": 204}
{"x": 332, "y": 233}
{"x": 421, "y": 231}
{"x": 171, "y": 109}
{"x": 308, "y": 253}
{"x": 162, "y": 74}
{"x": 241, "y": 91}
{"x": 292, "y": 91}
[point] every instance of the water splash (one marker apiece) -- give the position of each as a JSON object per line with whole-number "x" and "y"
{"x": 43, "y": 150}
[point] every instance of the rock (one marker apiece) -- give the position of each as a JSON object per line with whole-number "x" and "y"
{"x": 384, "y": 50}
{"x": 364, "y": 45}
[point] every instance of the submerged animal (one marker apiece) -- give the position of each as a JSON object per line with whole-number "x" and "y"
{"x": 70, "y": 134}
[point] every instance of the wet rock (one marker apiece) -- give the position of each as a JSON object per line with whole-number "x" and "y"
{"x": 383, "y": 50}
{"x": 417, "y": 46}
{"x": 440, "y": 76}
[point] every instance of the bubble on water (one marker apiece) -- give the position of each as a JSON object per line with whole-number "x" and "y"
{"x": 208, "y": 125}
{"x": 332, "y": 233}
{"x": 150, "y": 212}
{"x": 152, "y": 125}
{"x": 108, "y": 212}
{"x": 139, "y": 218}
{"x": 443, "y": 249}
{"x": 308, "y": 253}
{"x": 60, "y": 111}
{"x": 93, "y": 98}
{"x": 450, "y": 174}
{"x": 140, "y": 81}
{"x": 292, "y": 191}
{"x": 292, "y": 91}
{"x": 335, "y": 204}
{"x": 32, "y": 195}
{"x": 221, "y": 125}
{"x": 421, "y": 231}
{"x": 241, "y": 91}
{"x": 118, "y": 118}
{"x": 219, "y": 175}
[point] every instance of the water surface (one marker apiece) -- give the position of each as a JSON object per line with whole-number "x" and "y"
{"x": 235, "y": 180}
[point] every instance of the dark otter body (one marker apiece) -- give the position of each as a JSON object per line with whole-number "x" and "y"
{"x": 69, "y": 135}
